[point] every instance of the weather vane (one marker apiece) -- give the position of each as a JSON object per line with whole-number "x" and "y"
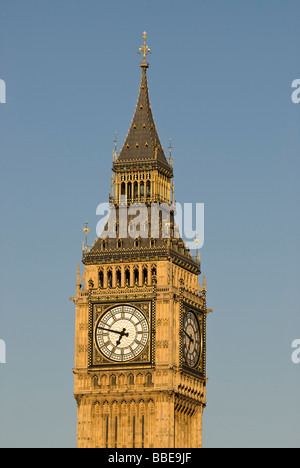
{"x": 144, "y": 50}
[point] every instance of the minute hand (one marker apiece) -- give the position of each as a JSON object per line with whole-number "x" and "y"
{"x": 114, "y": 331}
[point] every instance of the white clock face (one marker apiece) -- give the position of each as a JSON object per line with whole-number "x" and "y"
{"x": 191, "y": 339}
{"x": 122, "y": 333}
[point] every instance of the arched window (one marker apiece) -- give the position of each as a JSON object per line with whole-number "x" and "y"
{"x": 95, "y": 381}
{"x": 129, "y": 191}
{"x": 127, "y": 277}
{"x": 104, "y": 381}
{"x": 145, "y": 276}
{"x": 149, "y": 379}
{"x": 136, "y": 276}
{"x": 142, "y": 189}
{"x": 131, "y": 379}
{"x": 139, "y": 379}
{"x": 122, "y": 379}
{"x": 119, "y": 278}
{"x": 109, "y": 279}
{"x": 135, "y": 190}
{"x": 101, "y": 279}
{"x": 113, "y": 380}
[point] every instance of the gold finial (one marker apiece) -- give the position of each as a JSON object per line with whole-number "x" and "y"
{"x": 197, "y": 242}
{"x": 86, "y": 230}
{"x": 204, "y": 283}
{"x": 170, "y": 149}
{"x": 144, "y": 50}
{"x": 116, "y": 146}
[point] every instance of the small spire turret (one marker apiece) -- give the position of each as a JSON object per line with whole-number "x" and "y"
{"x": 86, "y": 230}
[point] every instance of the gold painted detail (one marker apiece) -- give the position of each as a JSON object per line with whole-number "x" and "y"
{"x": 86, "y": 230}
{"x": 144, "y": 49}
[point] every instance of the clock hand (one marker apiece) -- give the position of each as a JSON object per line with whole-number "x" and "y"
{"x": 122, "y": 333}
{"x": 191, "y": 339}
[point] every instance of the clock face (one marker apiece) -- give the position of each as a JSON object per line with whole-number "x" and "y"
{"x": 122, "y": 333}
{"x": 191, "y": 339}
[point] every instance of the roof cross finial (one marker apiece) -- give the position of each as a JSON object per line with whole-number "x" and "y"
{"x": 144, "y": 50}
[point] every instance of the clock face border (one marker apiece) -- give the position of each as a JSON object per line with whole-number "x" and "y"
{"x": 194, "y": 328}
{"x": 200, "y": 367}
{"x": 97, "y": 359}
{"x": 124, "y": 347}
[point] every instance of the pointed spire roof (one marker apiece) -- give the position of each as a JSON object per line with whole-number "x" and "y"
{"x": 142, "y": 143}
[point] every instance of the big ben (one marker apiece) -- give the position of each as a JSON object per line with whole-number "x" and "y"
{"x": 140, "y": 332}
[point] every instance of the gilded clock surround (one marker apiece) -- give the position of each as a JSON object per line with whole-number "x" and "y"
{"x": 200, "y": 317}
{"x": 97, "y": 358}
{"x": 155, "y": 400}
{"x": 122, "y": 334}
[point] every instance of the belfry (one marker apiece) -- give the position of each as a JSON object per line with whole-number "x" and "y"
{"x": 140, "y": 333}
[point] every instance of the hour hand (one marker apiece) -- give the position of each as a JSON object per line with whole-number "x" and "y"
{"x": 122, "y": 333}
{"x": 190, "y": 338}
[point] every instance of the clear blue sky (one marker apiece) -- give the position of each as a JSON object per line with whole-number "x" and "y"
{"x": 220, "y": 86}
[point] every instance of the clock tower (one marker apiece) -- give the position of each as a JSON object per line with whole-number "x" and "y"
{"x": 140, "y": 333}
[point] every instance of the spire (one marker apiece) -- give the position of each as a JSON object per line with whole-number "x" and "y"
{"x": 142, "y": 142}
